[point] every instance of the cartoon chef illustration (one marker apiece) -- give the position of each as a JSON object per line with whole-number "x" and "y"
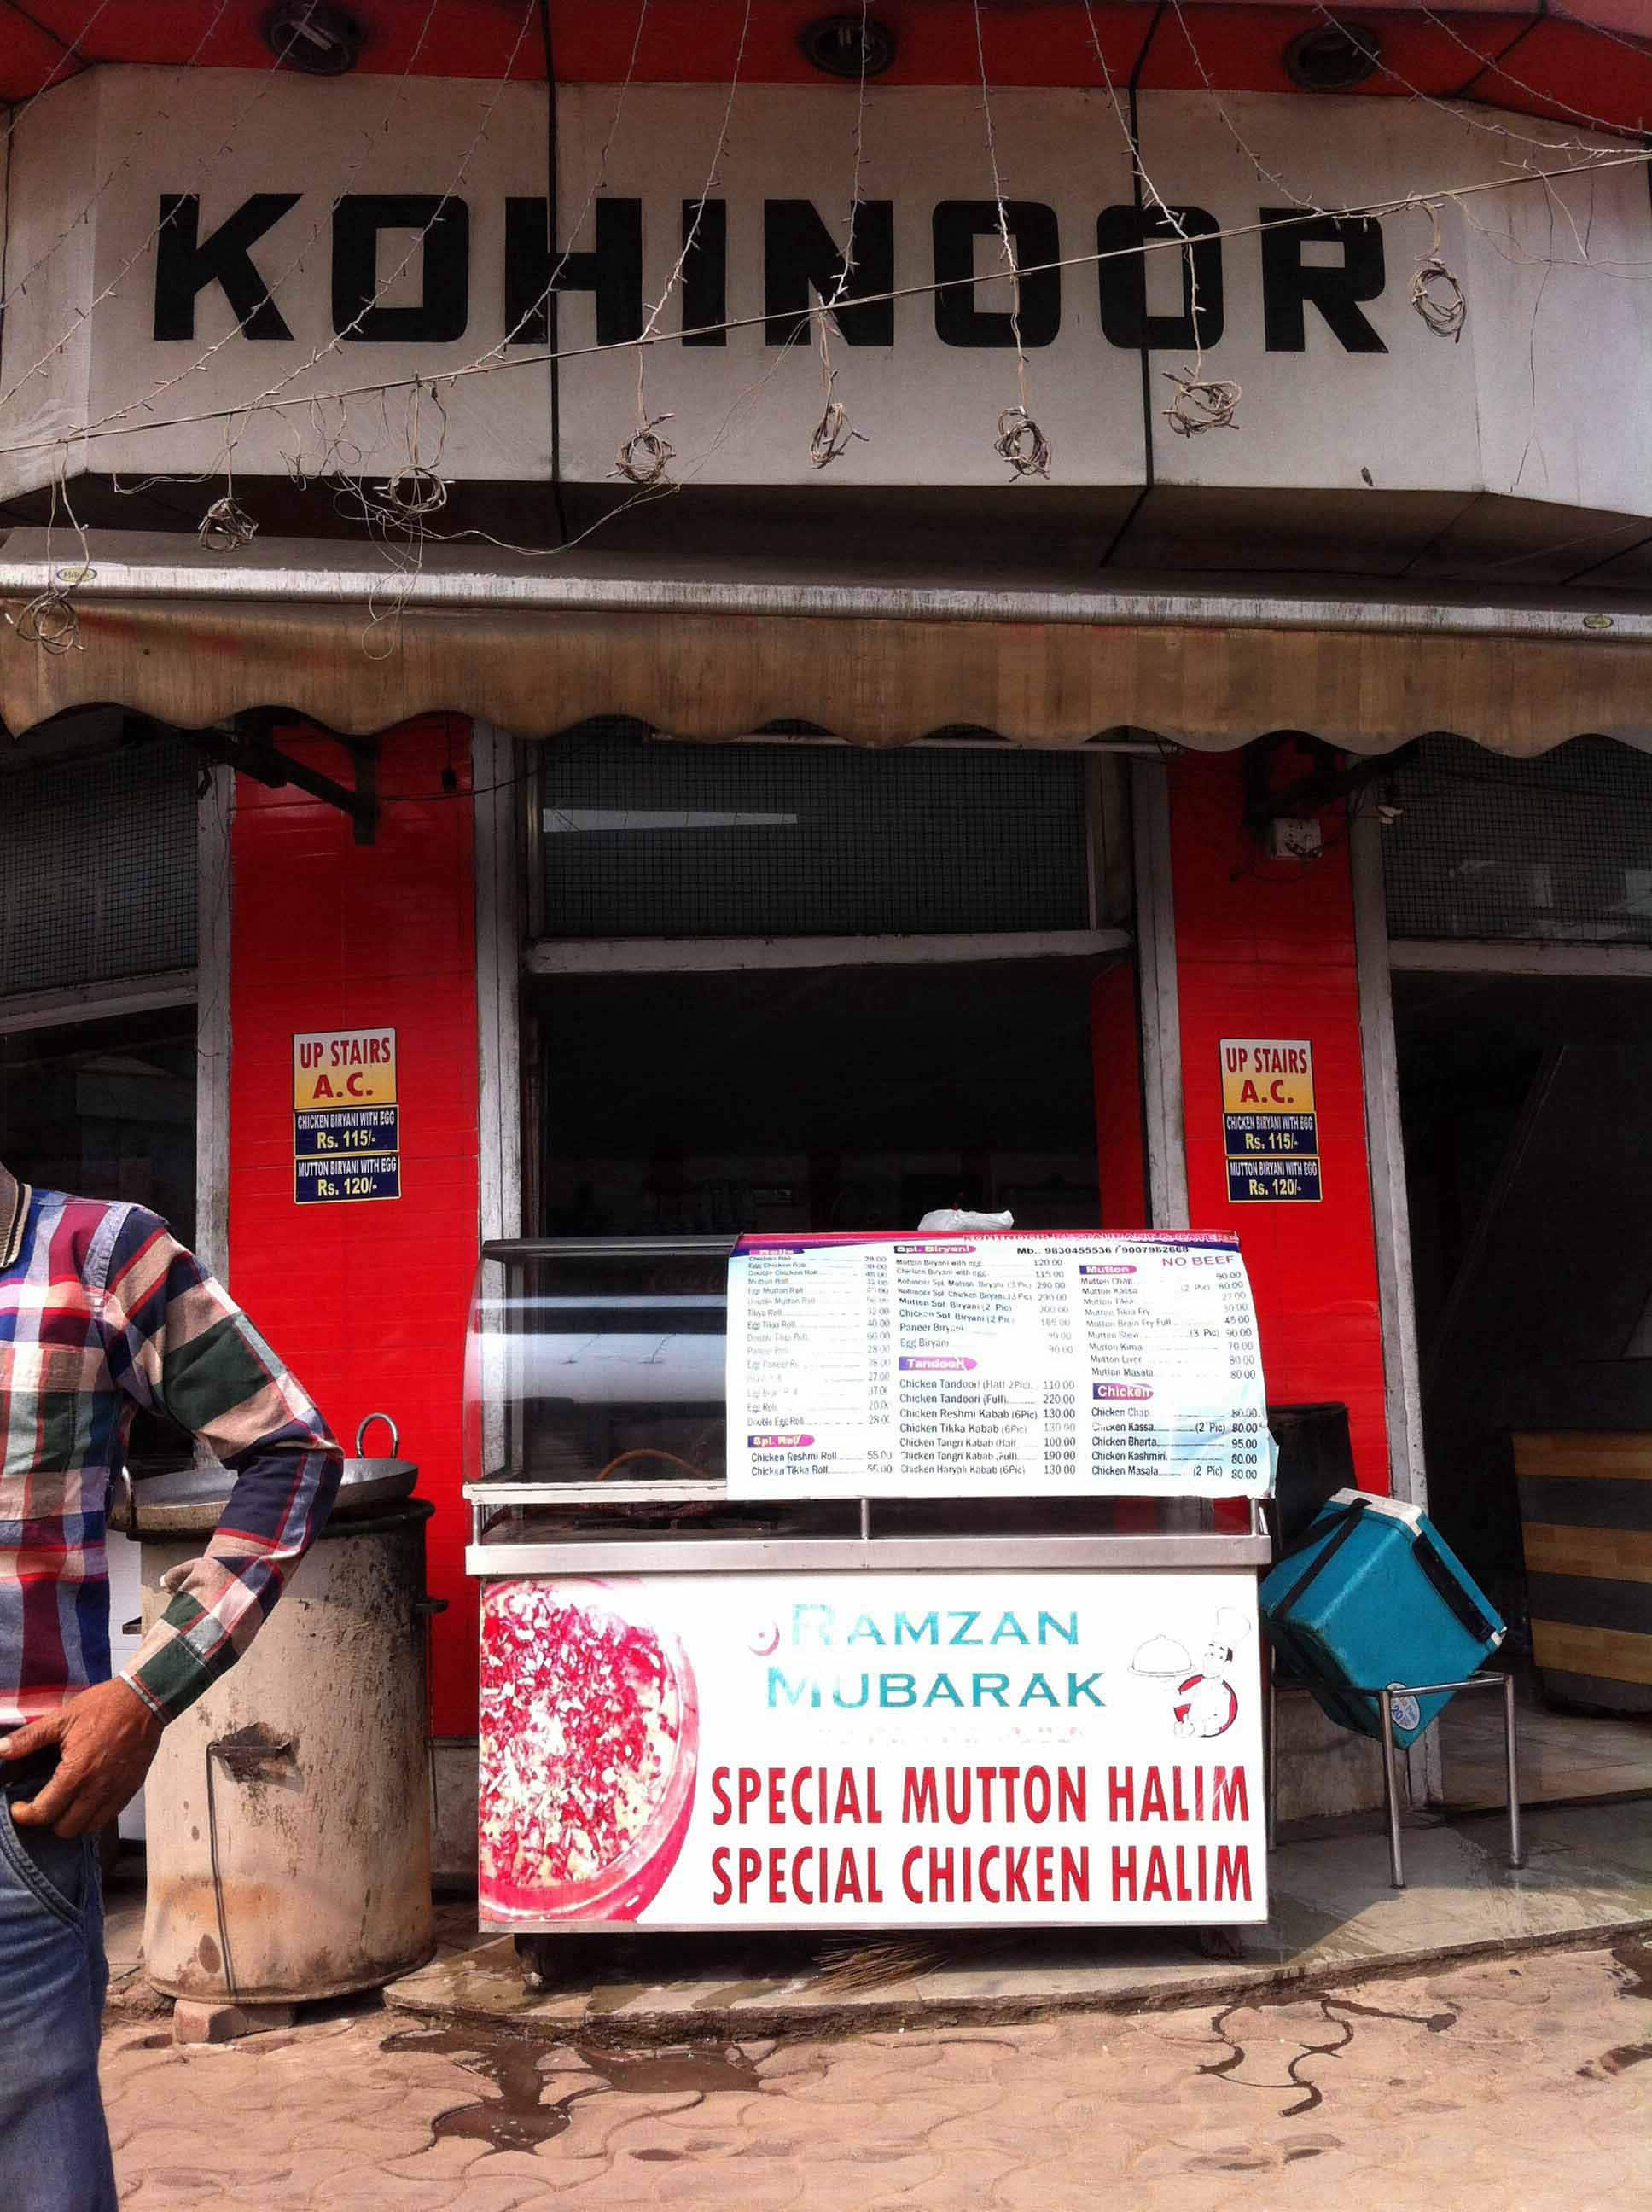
{"x": 1205, "y": 1702}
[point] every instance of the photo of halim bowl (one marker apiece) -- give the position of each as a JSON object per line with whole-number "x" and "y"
{"x": 589, "y": 1739}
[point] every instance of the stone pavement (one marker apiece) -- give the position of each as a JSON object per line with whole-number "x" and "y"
{"x": 1519, "y": 2084}
{"x": 1332, "y": 1915}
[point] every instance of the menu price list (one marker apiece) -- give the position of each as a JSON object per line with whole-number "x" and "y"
{"x": 995, "y": 1364}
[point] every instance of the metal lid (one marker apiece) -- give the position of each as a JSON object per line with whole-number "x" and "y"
{"x": 191, "y": 1501}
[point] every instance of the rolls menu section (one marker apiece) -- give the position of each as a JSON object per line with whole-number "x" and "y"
{"x": 993, "y": 1364}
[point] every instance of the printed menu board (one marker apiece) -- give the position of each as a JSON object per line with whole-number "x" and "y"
{"x": 995, "y": 1364}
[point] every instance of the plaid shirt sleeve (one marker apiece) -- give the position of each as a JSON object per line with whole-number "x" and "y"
{"x": 178, "y": 1344}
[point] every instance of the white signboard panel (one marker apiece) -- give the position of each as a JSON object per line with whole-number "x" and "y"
{"x": 994, "y": 1365}
{"x": 192, "y": 262}
{"x": 866, "y": 1751}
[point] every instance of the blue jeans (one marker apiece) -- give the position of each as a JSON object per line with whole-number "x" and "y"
{"x": 54, "y": 2144}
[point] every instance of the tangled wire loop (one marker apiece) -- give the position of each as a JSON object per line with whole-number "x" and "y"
{"x": 1022, "y": 443}
{"x": 225, "y": 527}
{"x": 834, "y": 434}
{"x": 1200, "y": 405}
{"x": 1439, "y": 299}
{"x": 414, "y": 491}
{"x": 49, "y": 621}
{"x": 645, "y": 456}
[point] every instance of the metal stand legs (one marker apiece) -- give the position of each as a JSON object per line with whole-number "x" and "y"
{"x": 1390, "y": 1762}
{"x": 1385, "y": 1699}
{"x": 1391, "y": 1791}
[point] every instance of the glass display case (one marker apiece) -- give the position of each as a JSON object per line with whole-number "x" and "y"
{"x": 590, "y": 1359}
{"x": 679, "y": 1686}
{"x": 595, "y": 1424}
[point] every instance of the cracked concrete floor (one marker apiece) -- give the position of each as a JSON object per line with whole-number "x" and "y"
{"x": 1519, "y": 2083}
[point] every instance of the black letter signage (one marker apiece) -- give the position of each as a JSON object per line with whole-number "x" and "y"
{"x": 1036, "y": 235}
{"x": 186, "y": 264}
{"x": 800, "y": 254}
{"x": 1125, "y": 319}
{"x": 439, "y": 314}
{"x": 612, "y": 271}
{"x": 1289, "y": 285}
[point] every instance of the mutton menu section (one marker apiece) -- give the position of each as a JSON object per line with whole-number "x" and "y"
{"x": 992, "y": 1364}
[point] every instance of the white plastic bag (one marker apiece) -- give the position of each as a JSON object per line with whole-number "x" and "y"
{"x": 952, "y": 1217}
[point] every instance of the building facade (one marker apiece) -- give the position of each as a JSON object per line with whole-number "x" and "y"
{"x": 804, "y": 642}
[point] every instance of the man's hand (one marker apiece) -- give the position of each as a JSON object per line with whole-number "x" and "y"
{"x": 109, "y": 1736}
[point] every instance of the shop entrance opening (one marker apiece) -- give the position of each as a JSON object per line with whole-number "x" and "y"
{"x": 1530, "y": 1184}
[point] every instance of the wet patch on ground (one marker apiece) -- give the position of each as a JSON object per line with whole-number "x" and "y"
{"x": 1342, "y": 2013}
{"x": 517, "y": 2117}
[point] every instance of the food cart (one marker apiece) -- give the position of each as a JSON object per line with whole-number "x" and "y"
{"x": 819, "y": 1592}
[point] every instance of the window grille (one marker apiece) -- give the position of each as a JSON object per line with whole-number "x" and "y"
{"x": 648, "y": 838}
{"x": 1557, "y": 849}
{"x": 98, "y": 867}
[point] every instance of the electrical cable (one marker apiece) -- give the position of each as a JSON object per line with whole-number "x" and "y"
{"x": 370, "y": 138}
{"x": 1487, "y": 65}
{"x": 1400, "y": 203}
{"x": 552, "y": 301}
{"x": 160, "y": 121}
{"x": 71, "y": 53}
{"x": 203, "y": 168}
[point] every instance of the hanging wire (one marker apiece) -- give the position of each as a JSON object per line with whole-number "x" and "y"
{"x": 51, "y": 620}
{"x": 417, "y": 488}
{"x": 1466, "y": 111}
{"x": 1494, "y": 68}
{"x": 204, "y": 167}
{"x": 1019, "y": 441}
{"x": 160, "y": 122}
{"x": 1373, "y": 210}
{"x": 370, "y": 140}
{"x": 71, "y": 53}
{"x": 1435, "y": 293}
{"x": 644, "y": 457}
{"x": 1200, "y": 404}
{"x": 1022, "y": 443}
{"x": 834, "y": 434}
{"x": 226, "y": 527}
{"x": 599, "y": 180}
{"x": 1269, "y": 176}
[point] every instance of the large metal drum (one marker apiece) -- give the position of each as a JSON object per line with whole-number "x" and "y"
{"x": 288, "y": 1809}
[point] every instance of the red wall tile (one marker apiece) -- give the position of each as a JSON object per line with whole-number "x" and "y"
{"x": 1265, "y": 948}
{"x": 366, "y": 1302}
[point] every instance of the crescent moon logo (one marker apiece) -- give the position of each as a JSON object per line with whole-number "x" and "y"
{"x": 766, "y": 1640}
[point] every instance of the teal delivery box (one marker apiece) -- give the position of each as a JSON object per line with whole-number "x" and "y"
{"x": 1370, "y": 1598}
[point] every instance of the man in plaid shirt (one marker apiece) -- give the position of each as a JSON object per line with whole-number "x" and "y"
{"x": 102, "y": 1311}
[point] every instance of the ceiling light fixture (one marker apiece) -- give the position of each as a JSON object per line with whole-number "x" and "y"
{"x": 848, "y": 45}
{"x": 1333, "y": 58}
{"x": 313, "y": 36}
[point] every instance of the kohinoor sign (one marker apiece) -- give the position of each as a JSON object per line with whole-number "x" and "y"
{"x": 285, "y": 240}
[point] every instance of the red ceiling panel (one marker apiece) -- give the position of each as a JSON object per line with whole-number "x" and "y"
{"x": 1572, "y": 67}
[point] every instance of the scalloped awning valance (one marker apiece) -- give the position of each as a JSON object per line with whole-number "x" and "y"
{"x": 718, "y": 650}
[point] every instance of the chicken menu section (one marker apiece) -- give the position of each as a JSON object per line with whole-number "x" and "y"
{"x": 992, "y": 1364}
